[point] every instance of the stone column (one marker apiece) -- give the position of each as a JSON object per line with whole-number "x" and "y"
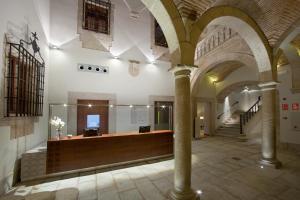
{"x": 183, "y": 135}
{"x": 269, "y": 95}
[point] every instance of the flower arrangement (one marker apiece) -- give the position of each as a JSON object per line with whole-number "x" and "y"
{"x": 58, "y": 123}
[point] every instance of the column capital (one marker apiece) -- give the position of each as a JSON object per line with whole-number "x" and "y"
{"x": 268, "y": 85}
{"x": 182, "y": 70}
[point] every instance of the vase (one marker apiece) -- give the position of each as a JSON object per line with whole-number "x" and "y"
{"x": 58, "y": 134}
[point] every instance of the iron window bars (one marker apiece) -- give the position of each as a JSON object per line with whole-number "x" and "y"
{"x": 96, "y": 15}
{"x": 159, "y": 36}
{"x": 24, "y": 83}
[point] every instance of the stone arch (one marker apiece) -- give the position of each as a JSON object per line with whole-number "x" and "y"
{"x": 246, "y": 59}
{"x": 227, "y": 90}
{"x": 170, "y": 21}
{"x": 285, "y": 48}
{"x": 246, "y": 27}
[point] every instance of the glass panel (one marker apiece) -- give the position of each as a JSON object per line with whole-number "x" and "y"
{"x": 109, "y": 119}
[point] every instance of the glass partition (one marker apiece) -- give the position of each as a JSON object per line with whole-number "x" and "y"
{"x": 93, "y": 119}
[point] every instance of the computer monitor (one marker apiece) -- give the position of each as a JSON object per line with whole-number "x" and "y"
{"x": 93, "y": 121}
{"x": 144, "y": 129}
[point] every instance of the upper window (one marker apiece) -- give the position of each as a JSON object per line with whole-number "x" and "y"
{"x": 160, "y": 39}
{"x": 96, "y": 15}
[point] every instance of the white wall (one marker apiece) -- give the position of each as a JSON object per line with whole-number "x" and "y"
{"x": 288, "y": 134}
{"x": 19, "y": 12}
{"x": 131, "y": 41}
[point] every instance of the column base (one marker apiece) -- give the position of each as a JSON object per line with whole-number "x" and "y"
{"x": 271, "y": 163}
{"x": 183, "y": 195}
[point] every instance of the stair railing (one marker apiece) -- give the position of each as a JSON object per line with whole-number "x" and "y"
{"x": 246, "y": 116}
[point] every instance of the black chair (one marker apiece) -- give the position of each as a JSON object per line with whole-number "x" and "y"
{"x": 90, "y": 132}
{"x": 144, "y": 129}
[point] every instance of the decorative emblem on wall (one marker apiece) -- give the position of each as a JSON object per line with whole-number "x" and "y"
{"x": 33, "y": 43}
{"x": 134, "y": 68}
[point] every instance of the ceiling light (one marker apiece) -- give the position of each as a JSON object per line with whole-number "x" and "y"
{"x": 116, "y": 57}
{"x": 201, "y": 117}
{"x": 111, "y": 106}
{"x": 163, "y": 106}
{"x": 213, "y": 79}
{"x": 130, "y": 106}
{"x": 148, "y": 106}
{"x": 90, "y": 105}
{"x": 261, "y": 167}
{"x": 65, "y": 105}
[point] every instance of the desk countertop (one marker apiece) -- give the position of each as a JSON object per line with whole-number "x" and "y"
{"x": 112, "y": 135}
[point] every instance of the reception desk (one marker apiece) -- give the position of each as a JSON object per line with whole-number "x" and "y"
{"x": 80, "y": 152}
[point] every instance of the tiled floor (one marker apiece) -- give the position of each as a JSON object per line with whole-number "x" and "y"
{"x": 223, "y": 169}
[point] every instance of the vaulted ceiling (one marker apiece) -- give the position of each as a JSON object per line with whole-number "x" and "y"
{"x": 274, "y": 17}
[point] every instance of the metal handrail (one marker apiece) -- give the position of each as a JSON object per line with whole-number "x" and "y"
{"x": 245, "y": 117}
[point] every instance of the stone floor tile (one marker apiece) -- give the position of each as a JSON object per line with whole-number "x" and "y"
{"x": 131, "y": 195}
{"x": 291, "y": 194}
{"x": 148, "y": 190}
{"x": 123, "y": 181}
{"x": 108, "y": 195}
{"x": 104, "y": 180}
{"x": 163, "y": 185}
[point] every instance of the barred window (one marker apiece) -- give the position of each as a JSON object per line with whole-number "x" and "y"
{"x": 96, "y": 15}
{"x": 24, "y": 83}
{"x": 160, "y": 39}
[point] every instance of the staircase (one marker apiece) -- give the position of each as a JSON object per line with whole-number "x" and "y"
{"x": 234, "y": 126}
{"x": 231, "y": 127}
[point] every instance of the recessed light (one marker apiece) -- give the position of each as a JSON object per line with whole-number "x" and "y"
{"x": 116, "y": 57}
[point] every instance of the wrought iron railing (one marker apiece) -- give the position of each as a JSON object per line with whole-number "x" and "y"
{"x": 246, "y": 116}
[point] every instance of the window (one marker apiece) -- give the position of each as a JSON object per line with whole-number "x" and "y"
{"x": 96, "y": 15}
{"x": 24, "y": 83}
{"x": 159, "y": 37}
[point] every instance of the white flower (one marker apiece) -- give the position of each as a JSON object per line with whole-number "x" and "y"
{"x": 57, "y": 122}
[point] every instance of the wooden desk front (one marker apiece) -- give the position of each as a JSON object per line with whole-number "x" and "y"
{"x": 83, "y": 152}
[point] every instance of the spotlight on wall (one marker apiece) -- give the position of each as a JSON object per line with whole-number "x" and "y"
{"x": 52, "y": 46}
{"x": 199, "y": 192}
{"x": 246, "y": 89}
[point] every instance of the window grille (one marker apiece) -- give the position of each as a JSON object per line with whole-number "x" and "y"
{"x": 24, "y": 83}
{"x": 160, "y": 39}
{"x": 96, "y": 15}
